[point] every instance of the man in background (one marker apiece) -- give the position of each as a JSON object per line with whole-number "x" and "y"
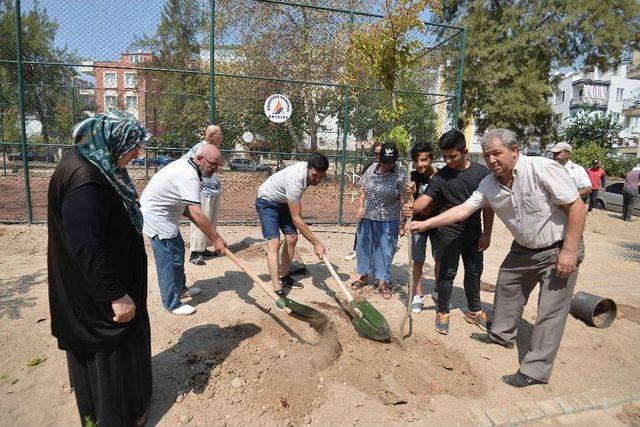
{"x": 562, "y": 154}
{"x": 597, "y": 176}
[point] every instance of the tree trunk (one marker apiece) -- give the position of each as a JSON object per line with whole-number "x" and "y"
{"x": 295, "y": 137}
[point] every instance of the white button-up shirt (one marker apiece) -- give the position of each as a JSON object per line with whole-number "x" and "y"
{"x": 578, "y": 175}
{"x": 532, "y": 208}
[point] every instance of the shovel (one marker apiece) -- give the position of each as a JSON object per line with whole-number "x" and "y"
{"x": 367, "y": 320}
{"x": 294, "y": 309}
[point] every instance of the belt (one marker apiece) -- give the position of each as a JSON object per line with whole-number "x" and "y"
{"x": 555, "y": 245}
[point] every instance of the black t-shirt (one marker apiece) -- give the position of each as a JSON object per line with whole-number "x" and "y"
{"x": 422, "y": 182}
{"x": 452, "y": 188}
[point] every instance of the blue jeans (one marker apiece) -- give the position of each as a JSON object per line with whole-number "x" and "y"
{"x": 169, "y": 256}
{"x": 377, "y": 242}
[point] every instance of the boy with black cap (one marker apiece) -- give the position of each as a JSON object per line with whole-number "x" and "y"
{"x": 379, "y": 206}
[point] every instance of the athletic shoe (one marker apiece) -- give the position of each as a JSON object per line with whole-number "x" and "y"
{"x": 191, "y": 292}
{"x": 288, "y": 282}
{"x": 196, "y": 258}
{"x": 350, "y": 256}
{"x": 442, "y": 323}
{"x": 184, "y": 310}
{"x": 280, "y": 301}
{"x": 416, "y": 304}
{"x": 208, "y": 254}
{"x": 481, "y": 319}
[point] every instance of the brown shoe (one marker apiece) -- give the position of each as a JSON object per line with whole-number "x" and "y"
{"x": 481, "y": 319}
{"x": 442, "y": 323}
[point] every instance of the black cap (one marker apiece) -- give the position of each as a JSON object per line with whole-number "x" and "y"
{"x": 388, "y": 153}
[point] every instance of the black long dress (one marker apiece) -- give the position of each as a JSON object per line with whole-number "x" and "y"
{"x": 95, "y": 256}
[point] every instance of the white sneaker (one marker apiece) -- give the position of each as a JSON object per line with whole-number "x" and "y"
{"x": 416, "y": 304}
{"x": 191, "y": 292}
{"x": 184, "y": 310}
{"x": 350, "y": 256}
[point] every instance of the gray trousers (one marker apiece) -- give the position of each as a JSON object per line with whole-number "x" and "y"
{"x": 519, "y": 273}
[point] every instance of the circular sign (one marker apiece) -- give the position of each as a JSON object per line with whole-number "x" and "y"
{"x": 247, "y": 137}
{"x": 277, "y": 108}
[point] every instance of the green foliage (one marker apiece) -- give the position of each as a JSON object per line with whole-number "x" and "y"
{"x": 385, "y": 53}
{"x": 89, "y": 422}
{"x": 181, "y": 100}
{"x": 35, "y": 361}
{"x": 45, "y": 85}
{"x": 588, "y": 128}
{"x": 614, "y": 166}
{"x": 513, "y": 46}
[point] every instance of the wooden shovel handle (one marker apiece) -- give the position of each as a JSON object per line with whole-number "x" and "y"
{"x": 251, "y": 274}
{"x": 335, "y": 276}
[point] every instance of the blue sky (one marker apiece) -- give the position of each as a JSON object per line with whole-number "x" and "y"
{"x": 101, "y": 30}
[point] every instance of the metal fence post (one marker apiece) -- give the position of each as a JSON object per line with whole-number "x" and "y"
{"x": 346, "y": 96}
{"x": 458, "y": 100}
{"x": 73, "y": 104}
{"x": 23, "y": 128}
{"x": 212, "y": 96}
{"x": 4, "y": 147}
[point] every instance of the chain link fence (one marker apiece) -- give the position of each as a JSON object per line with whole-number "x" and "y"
{"x": 165, "y": 63}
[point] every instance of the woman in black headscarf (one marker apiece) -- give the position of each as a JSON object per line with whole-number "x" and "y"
{"x": 98, "y": 272}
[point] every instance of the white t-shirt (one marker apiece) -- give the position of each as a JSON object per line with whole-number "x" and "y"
{"x": 578, "y": 175}
{"x": 167, "y": 195}
{"x": 287, "y": 184}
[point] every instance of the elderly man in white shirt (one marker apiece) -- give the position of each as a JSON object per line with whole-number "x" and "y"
{"x": 562, "y": 154}
{"x": 173, "y": 192}
{"x": 210, "y": 197}
{"x": 539, "y": 204}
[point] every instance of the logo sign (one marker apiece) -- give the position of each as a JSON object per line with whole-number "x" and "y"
{"x": 277, "y": 108}
{"x": 247, "y": 137}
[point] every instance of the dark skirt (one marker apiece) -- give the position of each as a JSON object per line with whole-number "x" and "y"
{"x": 113, "y": 388}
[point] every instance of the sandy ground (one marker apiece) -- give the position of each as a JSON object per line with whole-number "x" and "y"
{"x": 238, "y": 361}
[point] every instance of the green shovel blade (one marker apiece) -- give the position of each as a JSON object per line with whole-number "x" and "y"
{"x": 303, "y": 312}
{"x": 372, "y": 324}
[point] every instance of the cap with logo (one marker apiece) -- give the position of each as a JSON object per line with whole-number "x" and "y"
{"x": 388, "y": 153}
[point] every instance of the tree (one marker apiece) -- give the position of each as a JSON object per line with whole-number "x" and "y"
{"x": 586, "y": 128}
{"x": 385, "y": 53}
{"x": 45, "y": 85}
{"x": 181, "y": 101}
{"x": 513, "y": 46}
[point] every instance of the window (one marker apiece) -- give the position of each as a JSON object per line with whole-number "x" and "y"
{"x": 131, "y": 102}
{"x": 634, "y": 121}
{"x": 130, "y": 80}
{"x": 136, "y": 58}
{"x": 619, "y": 94}
{"x": 559, "y": 97}
{"x": 110, "y": 102}
{"x": 110, "y": 79}
{"x": 615, "y": 117}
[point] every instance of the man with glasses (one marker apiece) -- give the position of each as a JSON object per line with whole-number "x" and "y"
{"x": 175, "y": 191}
{"x": 210, "y": 196}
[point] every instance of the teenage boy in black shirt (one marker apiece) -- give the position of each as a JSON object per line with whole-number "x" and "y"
{"x": 420, "y": 178}
{"x": 452, "y": 186}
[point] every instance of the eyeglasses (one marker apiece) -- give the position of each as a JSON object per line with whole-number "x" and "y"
{"x": 210, "y": 162}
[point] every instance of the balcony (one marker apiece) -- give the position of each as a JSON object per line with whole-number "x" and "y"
{"x": 633, "y": 72}
{"x": 588, "y": 102}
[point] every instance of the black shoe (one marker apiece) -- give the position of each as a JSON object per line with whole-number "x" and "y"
{"x": 520, "y": 380}
{"x": 490, "y": 339}
{"x": 281, "y": 293}
{"x": 196, "y": 258}
{"x": 208, "y": 254}
{"x": 288, "y": 282}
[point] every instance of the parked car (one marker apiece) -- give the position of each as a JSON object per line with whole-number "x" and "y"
{"x": 247, "y": 165}
{"x": 160, "y": 161}
{"x": 610, "y": 198}
{"x": 32, "y": 156}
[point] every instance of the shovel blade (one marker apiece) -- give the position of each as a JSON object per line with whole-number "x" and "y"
{"x": 303, "y": 312}
{"x": 372, "y": 324}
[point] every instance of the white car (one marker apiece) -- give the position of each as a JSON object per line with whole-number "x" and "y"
{"x": 610, "y": 198}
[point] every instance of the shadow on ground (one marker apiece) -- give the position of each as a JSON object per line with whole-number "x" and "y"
{"x": 13, "y": 293}
{"x": 187, "y": 365}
